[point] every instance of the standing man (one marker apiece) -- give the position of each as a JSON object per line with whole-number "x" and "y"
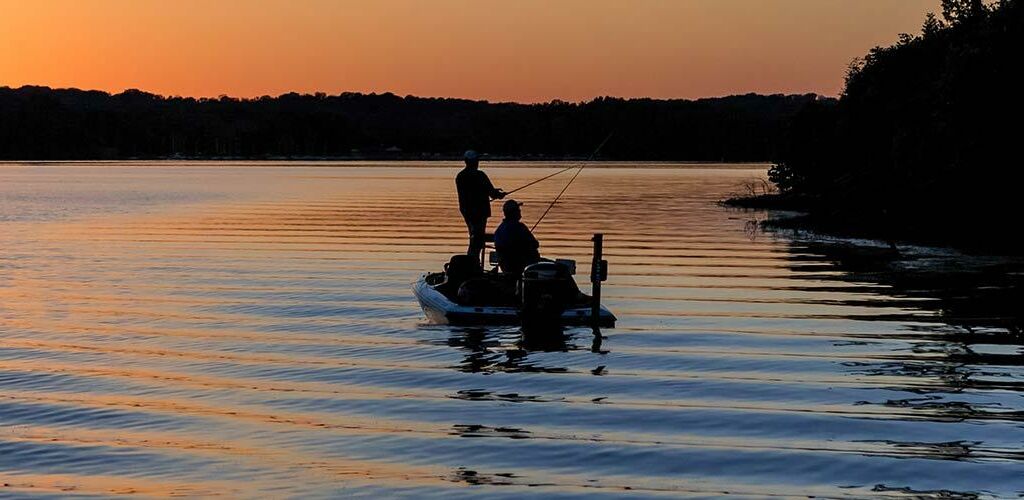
{"x": 475, "y": 195}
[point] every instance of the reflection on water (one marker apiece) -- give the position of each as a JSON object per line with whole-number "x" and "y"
{"x": 974, "y": 343}
{"x": 970, "y": 292}
{"x": 489, "y": 350}
{"x": 249, "y": 329}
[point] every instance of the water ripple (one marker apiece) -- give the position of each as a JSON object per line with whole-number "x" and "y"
{"x": 251, "y": 332}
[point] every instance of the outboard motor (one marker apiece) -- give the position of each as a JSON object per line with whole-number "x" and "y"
{"x": 545, "y": 291}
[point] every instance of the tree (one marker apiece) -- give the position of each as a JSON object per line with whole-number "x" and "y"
{"x": 53, "y": 124}
{"x": 958, "y": 11}
{"x": 932, "y": 25}
{"x": 923, "y": 133}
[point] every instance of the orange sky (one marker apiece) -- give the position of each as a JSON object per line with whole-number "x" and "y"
{"x": 523, "y": 50}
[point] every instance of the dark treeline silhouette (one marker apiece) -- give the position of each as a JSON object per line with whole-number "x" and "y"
{"x": 924, "y": 141}
{"x": 44, "y": 123}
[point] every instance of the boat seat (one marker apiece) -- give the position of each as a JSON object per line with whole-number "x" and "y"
{"x": 458, "y": 270}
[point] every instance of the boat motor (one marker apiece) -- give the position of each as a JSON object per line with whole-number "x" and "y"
{"x": 545, "y": 291}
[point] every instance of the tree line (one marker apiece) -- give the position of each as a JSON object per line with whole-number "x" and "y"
{"x": 923, "y": 140}
{"x": 40, "y": 123}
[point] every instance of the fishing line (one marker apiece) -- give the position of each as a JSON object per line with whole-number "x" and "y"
{"x": 566, "y": 169}
{"x": 541, "y": 179}
{"x": 577, "y": 174}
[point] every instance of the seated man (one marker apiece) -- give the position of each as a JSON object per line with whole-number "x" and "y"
{"x": 517, "y": 248}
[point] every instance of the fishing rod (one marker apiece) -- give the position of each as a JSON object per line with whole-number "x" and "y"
{"x": 577, "y": 174}
{"x": 546, "y": 177}
{"x": 570, "y": 167}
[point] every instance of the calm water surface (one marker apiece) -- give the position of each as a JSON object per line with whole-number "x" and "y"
{"x": 249, "y": 330}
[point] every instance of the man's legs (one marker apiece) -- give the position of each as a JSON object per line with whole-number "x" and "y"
{"x": 477, "y": 235}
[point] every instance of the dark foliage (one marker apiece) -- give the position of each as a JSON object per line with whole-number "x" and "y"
{"x": 924, "y": 137}
{"x": 44, "y": 123}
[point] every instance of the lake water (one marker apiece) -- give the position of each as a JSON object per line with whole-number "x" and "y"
{"x": 249, "y": 330}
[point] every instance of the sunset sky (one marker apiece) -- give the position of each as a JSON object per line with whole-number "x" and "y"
{"x": 522, "y": 50}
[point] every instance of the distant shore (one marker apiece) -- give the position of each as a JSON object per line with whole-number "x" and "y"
{"x": 42, "y": 123}
{"x": 408, "y": 159}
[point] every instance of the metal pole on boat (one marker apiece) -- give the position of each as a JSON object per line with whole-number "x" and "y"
{"x": 598, "y": 273}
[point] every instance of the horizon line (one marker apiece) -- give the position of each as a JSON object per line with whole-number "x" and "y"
{"x": 387, "y": 93}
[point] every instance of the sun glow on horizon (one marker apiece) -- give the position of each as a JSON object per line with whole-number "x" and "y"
{"x": 528, "y": 50}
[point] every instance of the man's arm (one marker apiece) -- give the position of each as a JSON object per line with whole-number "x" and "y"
{"x": 493, "y": 192}
{"x": 529, "y": 237}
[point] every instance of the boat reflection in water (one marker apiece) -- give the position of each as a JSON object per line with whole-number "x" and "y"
{"x": 489, "y": 350}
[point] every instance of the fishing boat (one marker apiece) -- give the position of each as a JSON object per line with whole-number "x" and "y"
{"x": 542, "y": 296}
{"x": 545, "y": 294}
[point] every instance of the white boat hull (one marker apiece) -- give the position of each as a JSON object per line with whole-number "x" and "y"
{"x": 441, "y": 310}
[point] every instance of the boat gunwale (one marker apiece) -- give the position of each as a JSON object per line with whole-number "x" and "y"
{"x": 438, "y": 307}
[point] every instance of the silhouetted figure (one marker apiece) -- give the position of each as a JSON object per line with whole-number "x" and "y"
{"x": 516, "y": 245}
{"x": 475, "y": 195}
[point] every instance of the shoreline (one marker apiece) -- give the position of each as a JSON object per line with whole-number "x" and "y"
{"x": 795, "y": 213}
{"x": 496, "y": 161}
